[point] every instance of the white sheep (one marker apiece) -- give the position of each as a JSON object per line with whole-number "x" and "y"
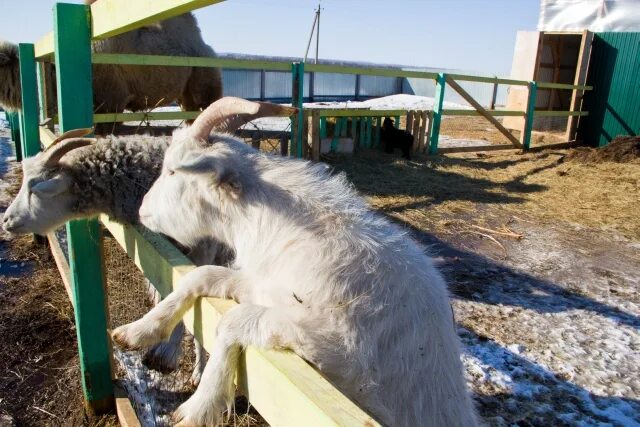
{"x": 134, "y": 87}
{"x": 315, "y": 271}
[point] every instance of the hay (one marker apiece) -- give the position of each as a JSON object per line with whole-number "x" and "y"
{"x": 622, "y": 149}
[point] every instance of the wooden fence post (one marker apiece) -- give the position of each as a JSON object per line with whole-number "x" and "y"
{"x": 14, "y": 123}
{"x": 419, "y": 147}
{"x": 28, "y": 82}
{"x": 494, "y": 95}
{"x": 315, "y": 135}
{"x": 75, "y": 107}
{"x": 528, "y": 120}
{"x": 409, "y": 123}
{"x": 441, "y": 83}
{"x": 297, "y": 120}
{"x": 416, "y": 127}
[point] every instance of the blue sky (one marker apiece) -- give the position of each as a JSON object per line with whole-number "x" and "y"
{"x": 473, "y": 35}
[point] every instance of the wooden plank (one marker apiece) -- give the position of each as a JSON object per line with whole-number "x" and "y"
{"x": 476, "y": 148}
{"x": 499, "y": 113}
{"x": 285, "y": 389}
{"x": 315, "y": 136}
{"x": 455, "y": 86}
{"x": 358, "y": 112}
{"x": 427, "y": 142}
{"x": 441, "y": 84}
{"x": 545, "y": 85}
{"x": 61, "y": 263}
{"x": 560, "y": 113}
{"x": 336, "y": 135}
{"x": 369, "y": 71}
{"x": 75, "y": 107}
{"x": 528, "y": 120}
{"x": 297, "y": 95}
{"x": 124, "y": 409}
{"x": 581, "y": 76}
{"x": 46, "y": 136}
{"x": 188, "y": 61}
{"x": 417, "y": 115}
{"x": 43, "y": 48}
{"x": 112, "y": 17}
{"x": 409, "y": 121}
{"x": 138, "y": 117}
{"x": 419, "y": 147}
{"x": 29, "y": 93}
{"x": 494, "y": 80}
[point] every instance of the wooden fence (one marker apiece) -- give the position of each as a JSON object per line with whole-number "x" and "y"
{"x": 271, "y": 380}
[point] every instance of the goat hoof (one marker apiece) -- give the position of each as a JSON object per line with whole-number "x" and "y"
{"x": 198, "y": 412}
{"x": 136, "y": 335}
{"x": 162, "y": 357}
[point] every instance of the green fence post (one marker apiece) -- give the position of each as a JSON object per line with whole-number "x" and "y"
{"x": 75, "y": 107}
{"x": 441, "y": 83}
{"x": 362, "y": 135}
{"x": 377, "y": 136}
{"x": 323, "y": 127}
{"x": 337, "y": 130}
{"x": 369, "y": 133}
{"x": 297, "y": 97}
{"x": 397, "y": 123}
{"x": 29, "y": 85}
{"x": 528, "y": 121}
{"x": 14, "y": 123}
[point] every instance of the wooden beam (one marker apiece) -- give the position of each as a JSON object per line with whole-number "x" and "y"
{"x": 499, "y": 113}
{"x": 285, "y": 389}
{"x": 61, "y": 263}
{"x": 188, "y": 61}
{"x": 476, "y": 148}
{"x": 409, "y": 121}
{"x": 581, "y": 76}
{"x": 369, "y": 71}
{"x": 124, "y": 409}
{"x": 137, "y": 117}
{"x": 417, "y": 115}
{"x": 483, "y": 112}
{"x": 46, "y": 136}
{"x": 112, "y": 17}
{"x": 315, "y": 136}
{"x": 43, "y": 48}
{"x": 86, "y": 262}
{"x": 419, "y": 147}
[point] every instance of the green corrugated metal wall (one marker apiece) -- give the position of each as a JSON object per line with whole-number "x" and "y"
{"x": 614, "y": 103}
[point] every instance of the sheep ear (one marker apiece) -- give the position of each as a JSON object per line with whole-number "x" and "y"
{"x": 51, "y": 187}
{"x": 225, "y": 178}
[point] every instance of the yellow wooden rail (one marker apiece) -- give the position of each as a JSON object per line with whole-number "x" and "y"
{"x": 44, "y": 47}
{"x": 189, "y": 61}
{"x": 447, "y": 112}
{"x": 353, "y": 112}
{"x": 285, "y": 389}
{"x": 152, "y": 115}
{"x": 46, "y": 136}
{"x": 112, "y": 17}
{"x": 560, "y": 113}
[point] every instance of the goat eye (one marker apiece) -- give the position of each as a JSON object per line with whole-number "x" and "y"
{"x": 171, "y": 172}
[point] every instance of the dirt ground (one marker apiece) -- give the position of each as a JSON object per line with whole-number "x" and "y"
{"x": 541, "y": 254}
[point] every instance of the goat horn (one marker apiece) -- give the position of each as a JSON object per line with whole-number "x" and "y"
{"x": 54, "y": 153}
{"x": 74, "y": 133}
{"x": 227, "y": 114}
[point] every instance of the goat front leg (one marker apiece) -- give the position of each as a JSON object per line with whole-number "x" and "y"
{"x": 243, "y": 325}
{"x": 160, "y": 321}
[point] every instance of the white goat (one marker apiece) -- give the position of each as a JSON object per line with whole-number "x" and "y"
{"x": 315, "y": 271}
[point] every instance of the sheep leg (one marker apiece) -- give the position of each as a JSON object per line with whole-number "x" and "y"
{"x": 243, "y": 325}
{"x": 164, "y": 356}
{"x": 160, "y": 321}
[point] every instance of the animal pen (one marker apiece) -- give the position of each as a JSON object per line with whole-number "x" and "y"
{"x": 279, "y": 384}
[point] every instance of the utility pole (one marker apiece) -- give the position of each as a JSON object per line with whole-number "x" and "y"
{"x": 316, "y": 21}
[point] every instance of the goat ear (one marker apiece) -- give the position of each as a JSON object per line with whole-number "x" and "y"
{"x": 51, "y": 187}
{"x": 225, "y": 178}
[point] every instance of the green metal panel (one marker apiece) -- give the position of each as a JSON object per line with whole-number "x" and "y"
{"x": 28, "y": 82}
{"x": 75, "y": 106}
{"x": 441, "y": 84}
{"x": 614, "y": 102}
{"x": 528, "y": 121}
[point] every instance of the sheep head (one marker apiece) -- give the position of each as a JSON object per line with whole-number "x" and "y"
{"x": 45, "y": 201}
{"x": 204, "y": 177}
{"x": 10, "y": 92}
